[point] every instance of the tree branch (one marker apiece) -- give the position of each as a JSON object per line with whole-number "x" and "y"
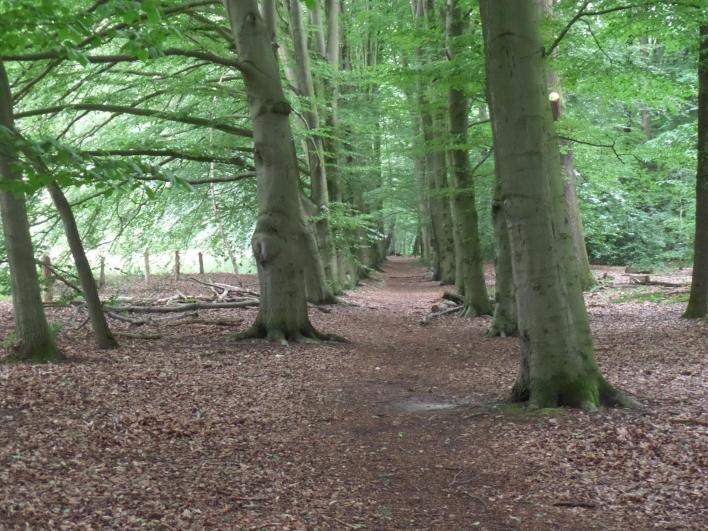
{"x": 480, "y": 122}
{"x": 120, "y": 109}
{"x": 593, "y": 144}
{"x": 196, "y": 182}
{"x": 125, "y": 58}
{"x": 163, "y": 153}
{"x": 582, "y": 13}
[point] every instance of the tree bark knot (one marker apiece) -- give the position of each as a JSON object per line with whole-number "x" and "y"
{"x": 274, "y": 107}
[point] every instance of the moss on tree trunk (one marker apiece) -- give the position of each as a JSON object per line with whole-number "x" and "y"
{"x": 557, "y": 361}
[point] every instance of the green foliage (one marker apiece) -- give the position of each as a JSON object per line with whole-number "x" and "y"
{"x": 127, "y": 175}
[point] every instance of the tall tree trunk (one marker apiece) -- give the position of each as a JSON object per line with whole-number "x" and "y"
{"x": 446, "y": 236}
{"x": 558, "y": 366}
{"x": 464, "y": 210}
{"x": 698, "y": 300}
{"x": 315, "y": 153}
{"x": 587, "y": 279}
{"x": 101, "y": 331}
{"x": 281, "y": 239}
{"x": 270, "y": 17}
{"x": 504, "y": 322}
{"x": 570, "y": 189}
{"x": 333, "y": 54}
{"x": 424, "y": 214}
{"x": 433, "y": 123}
{"x": 35, "y": 341}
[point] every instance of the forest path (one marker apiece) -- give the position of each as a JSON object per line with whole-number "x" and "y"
{"x": 400, "y": 428}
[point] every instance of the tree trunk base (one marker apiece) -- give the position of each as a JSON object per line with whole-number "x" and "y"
{"x": 305, "y": 334}
{"x": 501, "y": 329}
{"x": 586, "y": 394}
{"x": 46, "y": 354}
{"x": 694, "y": 311}
{"x": 470, "y": 311}
{"x": 107, "y": 343}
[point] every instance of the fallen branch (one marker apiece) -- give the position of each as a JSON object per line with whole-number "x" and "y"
{"x": 184, "y": 307}
{"x": 587, "y": 505}
{"x": 645, "y": 280}
{"x": 435, "y": 315}
{"x": 132, "y": 322}
{"x": 217, "y": 322}
{"x": 690, "y": 422}
{"x": 138, "y": 336}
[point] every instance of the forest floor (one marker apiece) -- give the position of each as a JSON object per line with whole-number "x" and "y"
{"x": 403, "y": 427}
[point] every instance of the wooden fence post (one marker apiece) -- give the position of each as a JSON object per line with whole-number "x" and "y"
{"x": 146, "y": 256}
{"x": 201, "y": 263}
{"x": 102, "y": 273}
{"x": 176, "y": 265}
{"x": 48, "y": 279}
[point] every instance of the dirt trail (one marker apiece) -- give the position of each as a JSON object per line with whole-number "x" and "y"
{"x": 401, "y": 428}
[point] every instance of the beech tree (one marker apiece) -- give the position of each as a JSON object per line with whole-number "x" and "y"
{"x": 282, "y": 241}
{"x": 314, "y": 147}
{"x": 557, "y": 362}
{"x": 34, "y": 339}
{"x": 101, "y": 331}
{"x": 470, "y": 267}
{"x": 698, "y": 301}
{"x": 557, "y": 101}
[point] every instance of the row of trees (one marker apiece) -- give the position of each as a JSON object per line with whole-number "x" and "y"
{"x": 150, "y": 92}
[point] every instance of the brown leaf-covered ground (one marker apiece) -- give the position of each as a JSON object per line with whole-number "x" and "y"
{"x": 401, "y": 428}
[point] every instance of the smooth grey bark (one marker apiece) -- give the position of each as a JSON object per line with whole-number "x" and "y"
{"x": 469, "y": 265}
{"x": 318, "y": 30}
{"x": 698, "y": 299}
{"x": 101, "y": 331}
{"x": 270, "y": 16}
{"x": 445, "y": 238}
{"x": 424, "y": 214}
{"x": 314, "y": 148}
{"x": 281, "y": 240}
{"x": 587, "y": 279}
{"x": 441, "y": 231}
{"x": 570, "y": 189}
{"x": 557, "y": 362}
{"x": 34, "y": 339}
{"x": 504, "y": 322}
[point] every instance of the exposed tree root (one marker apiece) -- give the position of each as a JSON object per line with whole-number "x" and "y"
{"x": 306, "y": 334}
{"x": 588, "y": 396}
{"x": 502, "y": 330}
{"x": 469, "y": 311}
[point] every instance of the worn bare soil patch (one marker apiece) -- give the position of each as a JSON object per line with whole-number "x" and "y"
{"x": 404, "y": 427}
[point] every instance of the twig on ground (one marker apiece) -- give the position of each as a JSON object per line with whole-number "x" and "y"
{"x": 587, "y": 505}
{"x": 435, "y": 315}
{"x": 138, "y": 336}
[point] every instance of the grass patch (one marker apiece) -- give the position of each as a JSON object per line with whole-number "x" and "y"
{"x": 657, "y": 297}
